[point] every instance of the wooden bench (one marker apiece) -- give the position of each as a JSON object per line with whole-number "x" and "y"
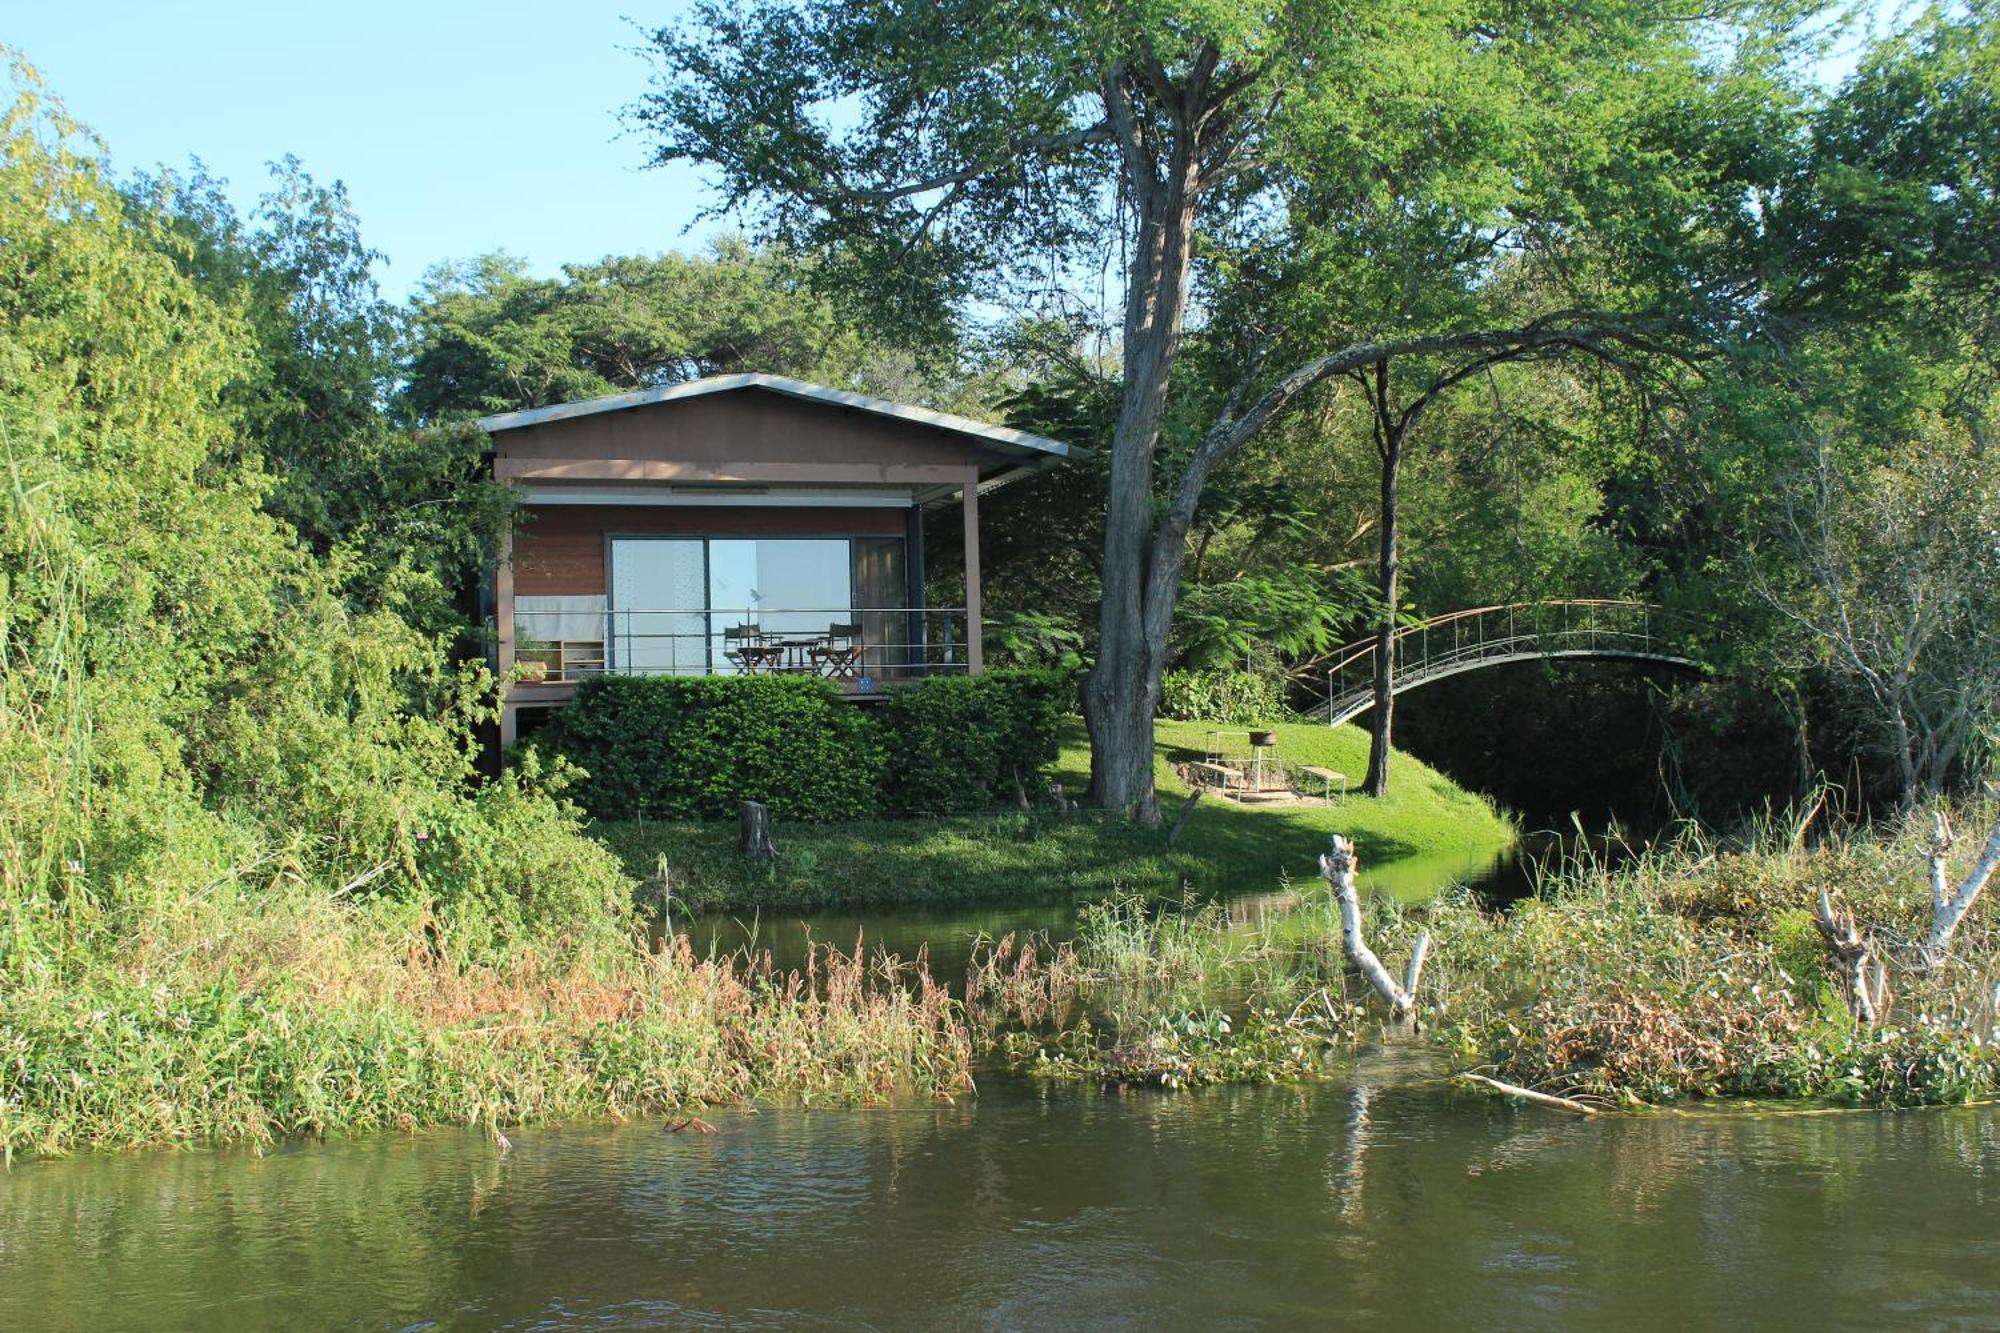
{"x": 1326, "y": 775}
{"x": 1225, "y": 776}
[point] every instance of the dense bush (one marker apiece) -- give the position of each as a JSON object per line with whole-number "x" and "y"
{"x": 1241, "y": 697}
{"x": 958, "y": 743}
{"x": 668, "y": 747}
{"x": 188, "y": 703}
{"x": 693, "y": 747}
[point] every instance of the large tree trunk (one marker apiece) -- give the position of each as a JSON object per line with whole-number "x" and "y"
{"x": 1124, "y": 685}
{"x": 1382, "y": 716}
{"x": 1118, "y": 714}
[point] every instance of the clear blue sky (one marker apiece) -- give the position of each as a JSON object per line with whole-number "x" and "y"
{"x": 459, "y": 128}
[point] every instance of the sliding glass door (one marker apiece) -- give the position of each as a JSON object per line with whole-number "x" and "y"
{"x": 674, "y": 601}
{"x": 659, "y": 593}
{"x": 784, "y": 587}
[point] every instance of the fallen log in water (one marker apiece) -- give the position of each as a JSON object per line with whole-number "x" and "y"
{"x": 1569, "y": 1104}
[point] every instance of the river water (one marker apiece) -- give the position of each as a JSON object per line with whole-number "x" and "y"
{"x": 1364, "y": 1200}
{"x": 1382, "y": 1195}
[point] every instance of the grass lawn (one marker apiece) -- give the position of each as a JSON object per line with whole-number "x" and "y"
{"x": 1426, "y": 828}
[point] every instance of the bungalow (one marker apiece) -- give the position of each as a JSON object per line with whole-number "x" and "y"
{"x": 740, "y": 524}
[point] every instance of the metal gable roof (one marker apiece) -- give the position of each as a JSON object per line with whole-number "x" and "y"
{"x": 1012, "y": 440}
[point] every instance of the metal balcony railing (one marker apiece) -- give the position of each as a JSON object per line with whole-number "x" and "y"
{"x": 859, "y": 648}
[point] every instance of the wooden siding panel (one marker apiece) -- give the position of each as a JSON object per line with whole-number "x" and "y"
{"x": 560, "y": 550}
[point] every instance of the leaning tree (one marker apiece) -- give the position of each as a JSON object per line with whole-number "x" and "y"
{"x": 963, "y": 156}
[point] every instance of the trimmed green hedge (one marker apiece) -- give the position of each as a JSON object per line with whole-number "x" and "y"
{"x": 957, "y": 743}
{"x": 694, "y": 747}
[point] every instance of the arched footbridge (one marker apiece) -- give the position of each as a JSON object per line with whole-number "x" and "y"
{"x": 1488, "y": 636}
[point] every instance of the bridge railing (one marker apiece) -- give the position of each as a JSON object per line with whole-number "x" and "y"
{"x": 1460, "y": 640}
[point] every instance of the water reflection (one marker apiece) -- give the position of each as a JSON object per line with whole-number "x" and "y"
{"x": 1364, "y": 1200}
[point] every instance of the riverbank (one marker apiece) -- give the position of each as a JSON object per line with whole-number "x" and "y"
{"x": 247, "y": 1008}
{"x": 1427, "y": 821}
{"x": 250, "y": 1018}
{"x": 1690, "y": 971}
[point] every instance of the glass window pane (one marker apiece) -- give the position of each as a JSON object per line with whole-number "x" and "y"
{"x": 790, "y": 588}
{"x": 657, "y": 596}
{"x": 732, "y": 590}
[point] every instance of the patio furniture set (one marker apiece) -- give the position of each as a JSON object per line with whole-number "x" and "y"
{"x": 836, "y": 654}
{"x": 1260, "y": 776}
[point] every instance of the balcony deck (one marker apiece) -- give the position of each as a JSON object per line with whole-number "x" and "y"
{"x": 863, "y": 650}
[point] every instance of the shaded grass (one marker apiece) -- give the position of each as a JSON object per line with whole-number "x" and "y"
{"x": 1427, "y": 822}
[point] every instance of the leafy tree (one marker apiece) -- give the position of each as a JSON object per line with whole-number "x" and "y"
{"x": 1898, "y": 196}
{"x": 1891, "y": 575}
{"x": 977, "y": 151}
{"x": 406, "y": 516}
{"x": 486, "y": 337}
{"x": 184, "y": 695}
{"x": 1851, "y": 458}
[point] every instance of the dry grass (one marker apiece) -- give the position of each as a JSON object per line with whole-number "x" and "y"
{"x": 223, "y": 1023}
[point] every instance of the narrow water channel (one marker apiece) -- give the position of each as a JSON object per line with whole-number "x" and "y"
{"x": 946, "y": 934}
{"x": 1362, "y": 1201}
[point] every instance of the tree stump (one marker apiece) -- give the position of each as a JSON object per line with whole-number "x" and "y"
{"x": 1182, "y": 816}
{"x": 753, "y": 832}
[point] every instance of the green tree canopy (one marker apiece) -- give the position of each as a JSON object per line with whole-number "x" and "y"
{"x": 405, "y": 516}
{"x": 184, "y": 693}
{"x": 969, "y": 154}
{"x": 486, "y": 337}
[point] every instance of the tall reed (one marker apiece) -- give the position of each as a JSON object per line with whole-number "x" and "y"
{"x": 45, "y": 787}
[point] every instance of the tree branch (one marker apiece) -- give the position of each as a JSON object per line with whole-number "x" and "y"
{"x": 1590, "y": 332}
{"x": 1102, "y": 132}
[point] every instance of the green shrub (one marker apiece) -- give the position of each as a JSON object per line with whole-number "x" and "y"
{"x": 957, "y": 743}
{"x": 667, "y": 747}
{"x": 695, "y": 747}
{"x": 1241, "y": 697}
{"x": 506, "y": 868}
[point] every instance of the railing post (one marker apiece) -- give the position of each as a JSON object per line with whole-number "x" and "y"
{"x": 974, "y": 631}
{"x": 503, "y": 631}
{"x": 916, "y": 657}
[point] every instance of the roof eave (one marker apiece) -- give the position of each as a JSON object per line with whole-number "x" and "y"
{"x": 1003, "y": 436}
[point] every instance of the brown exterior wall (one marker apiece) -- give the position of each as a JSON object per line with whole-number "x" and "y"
{"x": 750, "y": 427}
{"x": 559, "y": 552}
